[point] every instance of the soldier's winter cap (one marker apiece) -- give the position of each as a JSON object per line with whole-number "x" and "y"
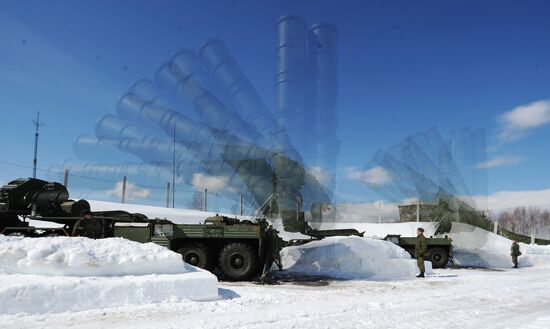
{"x": 420, "y": 229}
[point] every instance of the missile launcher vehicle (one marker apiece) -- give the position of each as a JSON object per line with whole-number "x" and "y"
{"x": 233, "y": 249}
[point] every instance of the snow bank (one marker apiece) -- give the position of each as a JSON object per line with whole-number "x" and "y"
{"x": 58, "y": 274}
{"x": 86, "y": 257}
{"x": 474, "y": 246}
{"x": 351, "y": 258}
{"x": 53, "y": 294}
{"x": 178, "y": 216}
{"x": 376, "y": 230}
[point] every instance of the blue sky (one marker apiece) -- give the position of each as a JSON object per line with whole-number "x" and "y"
{"x": 404, "y": 66}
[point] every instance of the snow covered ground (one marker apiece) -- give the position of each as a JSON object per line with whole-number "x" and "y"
{"x": 448, "y": 299}
{"x": 382, "y": 294}
{"x": 59, "y": 274}
{"x": 472, "y": 246}
{"x": 176, "y": 215}
{"x": 478, "y": 247}
{"x": 79, "y": 256}
{"x": 351, "y": 258}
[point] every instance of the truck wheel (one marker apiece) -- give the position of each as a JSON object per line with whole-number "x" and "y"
{"x": 238, "y": 261}
{"x": 439, "y": 257}
{"x": 196, "y": 254}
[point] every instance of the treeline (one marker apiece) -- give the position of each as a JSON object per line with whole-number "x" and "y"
{"x": 524, "y": 221}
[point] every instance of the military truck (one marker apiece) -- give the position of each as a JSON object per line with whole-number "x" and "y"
{"x": 234, "y": 249}
{"x": 440, "y": 250}
{"x": 231, "y": 248}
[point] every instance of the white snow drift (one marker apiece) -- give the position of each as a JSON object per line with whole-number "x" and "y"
{"x": 473, "y": 246}
{"x": 58, "y": 274}
{"x": 86, "y": 257}
{"x": 477, "y": 247}
{"x": 351, "y": 258}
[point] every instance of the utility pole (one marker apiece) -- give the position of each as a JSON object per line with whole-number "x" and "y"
{"x": 205, "y": 199}
{"x": 124, "y": 181}
{"x": 174, "y": 169}
{"x": 380, "y": 211}
{"x": 168, "y": 195}
{"x": 66, "y": 178}
{"x": 242, "y": 204}
{"x": 36, "y": 132}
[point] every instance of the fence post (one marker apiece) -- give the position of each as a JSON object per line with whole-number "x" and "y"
{"x": 242, "y": 210}
{"x": 124, "y": 180}
{"x": 418, "y": 211}
{"x": 168, "y": 195}
{"x": 66, "y": 178}
{"x": 205, "y": 199}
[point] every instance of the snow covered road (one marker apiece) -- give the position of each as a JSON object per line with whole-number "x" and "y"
{"x": 450, "y": 299}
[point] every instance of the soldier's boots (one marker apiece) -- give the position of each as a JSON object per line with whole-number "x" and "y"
{"x": 421, "y": 275}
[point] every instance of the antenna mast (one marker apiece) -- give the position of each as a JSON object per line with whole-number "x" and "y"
{"x": 36, "y": 133}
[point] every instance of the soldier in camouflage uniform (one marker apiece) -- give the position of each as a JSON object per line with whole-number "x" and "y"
{"x": 515, "y": 253}
{"x": 274, "y": 245}
{"x": 420, "y": 251}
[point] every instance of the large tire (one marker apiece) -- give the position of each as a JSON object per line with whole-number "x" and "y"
{"x": 196, "y": 254}
{"x": 238, "y": 262}
{"x": 439, "y": 257}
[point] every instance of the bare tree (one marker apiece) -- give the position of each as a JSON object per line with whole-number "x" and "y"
{"x": 526, "y": 221}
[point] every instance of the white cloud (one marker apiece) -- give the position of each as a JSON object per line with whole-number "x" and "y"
{"x": 519, "y": 121}
{"x": 503, "y": 160}
{"x": 377, "y": 176}
{"x": 320, "y": 175}
{"x": 132, "y": 191}
{"x": 514, "y": 199}
{"x": 212, "y": 183}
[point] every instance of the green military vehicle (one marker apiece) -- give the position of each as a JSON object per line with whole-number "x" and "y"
{"x": 440, "y": 250}
{"x": 232, "y": 249}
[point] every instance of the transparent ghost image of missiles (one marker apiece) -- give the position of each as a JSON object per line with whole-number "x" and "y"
{"x": 444, "y": 176}
{"x": 222, "y": 128}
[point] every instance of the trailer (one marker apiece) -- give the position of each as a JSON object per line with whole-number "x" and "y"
{"x": 440, "y": 250}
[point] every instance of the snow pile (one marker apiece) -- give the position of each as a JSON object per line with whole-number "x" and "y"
{"x": 58, "y": 274}
{"x": 474, "y": 246}
{"x": 175, "y": 215}
{"x": 380, "y": 230}
{"x": 351, "y": 258}
{"x": 54, "y": 294}
{"x": 178, "y": 216}
{"x": 86, "y": 257}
